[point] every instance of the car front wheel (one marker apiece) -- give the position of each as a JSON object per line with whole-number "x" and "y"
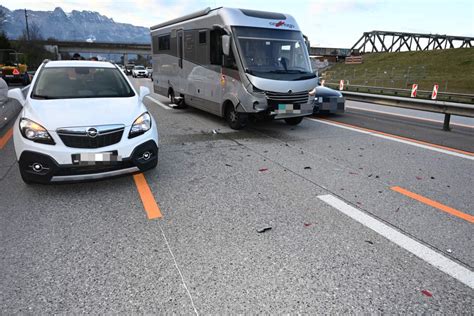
{"x": 236, "y": 119}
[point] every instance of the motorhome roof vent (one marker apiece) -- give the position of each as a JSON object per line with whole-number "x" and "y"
{"x": 263, "y": 15}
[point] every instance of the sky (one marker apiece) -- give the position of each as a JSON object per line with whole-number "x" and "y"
{"x": 327, "y": 23}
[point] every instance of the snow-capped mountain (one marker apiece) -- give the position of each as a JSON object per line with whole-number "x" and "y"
{"x": 74, "y": 26}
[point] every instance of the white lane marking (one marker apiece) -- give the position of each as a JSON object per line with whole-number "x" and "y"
{"x": 407, "y": 116}
{"x": 441, "y": 150}
{"x": 179, "y": 270}
{"x": 158, "y": 102}
{"x": 423, "y": 252}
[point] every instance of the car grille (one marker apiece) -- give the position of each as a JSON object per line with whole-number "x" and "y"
{"x": 82, "y": 140}
{"x": 287, "y": 98}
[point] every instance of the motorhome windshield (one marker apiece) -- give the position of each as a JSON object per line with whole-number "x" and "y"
{"x": 273, "y": 54}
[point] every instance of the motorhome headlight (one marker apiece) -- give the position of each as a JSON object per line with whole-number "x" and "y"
{"x": 141, "y": 125}
{"x": 312, "y": 92}
{"x": 35, "y": 132}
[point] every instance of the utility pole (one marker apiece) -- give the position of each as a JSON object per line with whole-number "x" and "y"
{"x": 27, "y": 28}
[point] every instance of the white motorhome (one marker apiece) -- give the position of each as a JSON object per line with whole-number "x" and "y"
{"x": 235, "y": 63}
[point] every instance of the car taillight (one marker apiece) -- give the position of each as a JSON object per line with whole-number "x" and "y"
{"x": 16, "y": 72}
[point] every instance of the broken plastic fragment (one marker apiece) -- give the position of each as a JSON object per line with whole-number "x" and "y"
{"x": 350, "y": 172}
{"x": 369, "y": 242}
{"x": 263, "y": 169}
{"x": 214, "y": 131}
{"x": 307, "y": 224}
{"x": 263, "y": 229}
{"x": 427, "y": 293}
{"x": 449, "y": 250}
{"x": 418, "y": 178}
{"x": 307, "y": 168}
{"x": 227, "y": 165}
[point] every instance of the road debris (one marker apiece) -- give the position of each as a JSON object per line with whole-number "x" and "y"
{"x": 369, "y": 242}
{"x": 350, "y": 172}
{"x": 307, "y": 168}
{"x": 227, "y": 165}
{"x": 432, "y": 178}
{"x": 307, "y": 224}
{"x": 214, "y": 131}
{"x": 449, "y": 250}
{"x": 263, "y": 169}
{"x": 264, "y": 229}
{"x": 418, "y": 178}
{"x": 427, "y": 293}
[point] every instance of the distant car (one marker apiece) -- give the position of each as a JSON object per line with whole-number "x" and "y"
{"x": 128, "y": 69}
{"x": 150, "y": 71}
{"x": 328, "y": 101}
{"x": 82, "y": 120}
{"x": 139, "y": 71}
{"x": 15, "y": 73}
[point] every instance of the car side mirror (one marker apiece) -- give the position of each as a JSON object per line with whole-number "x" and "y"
{"x": 17, "y": 94}
{"x": 144, "y": 91}
{"x": 226, "y": 44}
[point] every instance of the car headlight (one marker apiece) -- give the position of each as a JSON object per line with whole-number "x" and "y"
{"x": 312, "y": 92}
{"x": 141, "y": 125}
{"x": 35, "y": 132}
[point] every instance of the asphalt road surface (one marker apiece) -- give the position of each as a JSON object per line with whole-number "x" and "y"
{"x": 356, "y": 220}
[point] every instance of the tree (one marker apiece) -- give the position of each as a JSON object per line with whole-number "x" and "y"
{"x": 33, "y": 52}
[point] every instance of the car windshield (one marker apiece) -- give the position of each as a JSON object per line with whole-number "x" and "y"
{"x": 139, "y": 68}
{"x": 273, "y": 54}
{"x": 81, "y": 82}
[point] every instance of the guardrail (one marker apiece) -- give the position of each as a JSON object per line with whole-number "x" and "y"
{"x": 449, "y": 96}
{"x": 443, "y": 107}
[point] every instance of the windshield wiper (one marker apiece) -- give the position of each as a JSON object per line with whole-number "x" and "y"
{"x": 289, "y": 71}
{"x": 248, "y": 71}
{"x": 39, "y": 96}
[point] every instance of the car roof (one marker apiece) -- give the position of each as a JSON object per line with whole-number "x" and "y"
{"x": 78, "y": 63}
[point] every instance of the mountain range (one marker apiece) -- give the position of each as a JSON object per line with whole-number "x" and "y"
{"x": 74, "y": 26}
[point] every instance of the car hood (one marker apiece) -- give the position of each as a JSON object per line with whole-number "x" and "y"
{"x": 54, "y": 114}
{"x": 327, "y": 92}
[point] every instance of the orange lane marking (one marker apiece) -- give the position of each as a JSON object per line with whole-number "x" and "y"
{"x": 435, "y": 204}
{"x": 5, "y": 138}
{"x": 149, "y": 203}
{"x": 400, "y": 137}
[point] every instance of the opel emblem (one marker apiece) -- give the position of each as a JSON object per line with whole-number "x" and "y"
{"x": 92, "y": 132}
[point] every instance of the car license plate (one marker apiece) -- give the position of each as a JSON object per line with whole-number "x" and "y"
{"x": 95, "y": 158}
{"x": 8, "y": 76}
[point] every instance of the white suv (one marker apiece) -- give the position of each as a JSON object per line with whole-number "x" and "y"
{"x": 139, "y": 71}
{"x": 82, "y": 120}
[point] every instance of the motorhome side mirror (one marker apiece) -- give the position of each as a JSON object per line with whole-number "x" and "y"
{"x": 144, "y": 91}
{"x": 17, "y": 95}
{"x": 226, "y": 44}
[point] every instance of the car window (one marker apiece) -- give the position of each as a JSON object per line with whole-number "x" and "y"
{"x": 139, "y": 68}
{"x": 81, "y": 82}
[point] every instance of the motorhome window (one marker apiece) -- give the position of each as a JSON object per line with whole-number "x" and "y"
{"x": 216, "y": 47}
{"x": 273, "y": 54}
{"x": 164, "y": 42}
{"x": 154, "y": 43}
{"x": 202, "y": 37}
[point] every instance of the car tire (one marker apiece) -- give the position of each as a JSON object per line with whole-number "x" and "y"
{"x": 24, "y": 177}
{"x": 236, "y": 120}
{"x": 294, "y": 120}
{"x": 179, "y": 104}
